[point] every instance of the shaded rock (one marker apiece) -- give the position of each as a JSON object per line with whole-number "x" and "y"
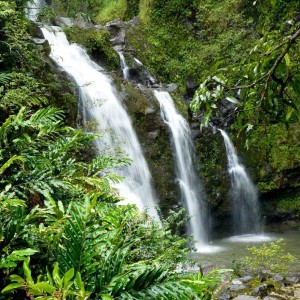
{"x": 245, "y": 297}
{"x": 153, "y": 135}
{"x": 196, "y": 134}
{"x": 261, "y": 290}
{"x": 62, "y": 21}
{"x": 237, "y": 287}
{"x": 116, "y": 29}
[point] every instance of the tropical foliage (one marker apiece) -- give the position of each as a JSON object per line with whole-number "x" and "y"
{"x": 58, "y": 206}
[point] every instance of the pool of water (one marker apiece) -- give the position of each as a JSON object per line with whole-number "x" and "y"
{"x": 223, "y": 252}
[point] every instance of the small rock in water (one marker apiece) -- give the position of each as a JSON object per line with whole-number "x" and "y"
{"x": 245, "y": 297}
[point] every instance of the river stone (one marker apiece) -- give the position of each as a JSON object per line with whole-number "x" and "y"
{"x": 245, "y": 279}
{"x": 261, "y": 290}
{"x": 245, "y": 297}
{"x": 236, "y": 281}
{"x": 237, "y": 287}
{"x": 225, "y": 296}
{"x": 292, "y": 279}
{"x": 278, "y": 278}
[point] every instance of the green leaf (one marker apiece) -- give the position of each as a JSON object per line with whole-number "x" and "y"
{"x": 68, "y": 276}
{"x": 16, "y": 278}
{"x": 106, "y": 297}
{"x": 287, "y": 59}
{"x": 12, "y": 286}
{"x": 27, "y": 273}
{"x": 218, "y": 79}
{"x": 44, "y": 286}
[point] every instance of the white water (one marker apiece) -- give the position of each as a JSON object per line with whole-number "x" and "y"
{"x": 34, "y": 8}
{"x": 246, "y": 212}
{"x": 124, "y": 66}
{"x": 101, "y": 103}
{"x": 190, "y": 185}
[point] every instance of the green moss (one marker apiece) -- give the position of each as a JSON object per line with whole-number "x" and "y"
{"x": 288, "y": 201}
{"x": 110, "y": 10}
{"x": 97, "y": 44}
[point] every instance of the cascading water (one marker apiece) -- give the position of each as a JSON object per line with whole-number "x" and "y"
{"x": 33, "y": 8}
{"x": 246, "y": 212}
{"x": 125, "y": 68}
{"x": 101, "y": 103}
{"x": 190, "y": 185}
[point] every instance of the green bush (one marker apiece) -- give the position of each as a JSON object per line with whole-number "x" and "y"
{"x": 269, "y": 257}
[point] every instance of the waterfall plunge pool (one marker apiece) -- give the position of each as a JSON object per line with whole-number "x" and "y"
{"x": 221, "y": 253}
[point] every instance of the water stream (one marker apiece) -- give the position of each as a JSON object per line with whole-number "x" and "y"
{"x": 33, "y": 8}
{"x": 125, "y": 68}
{"x": 245, "y": 206}
{"x": 101, "y": 103}
{"x": 190, "y": 186}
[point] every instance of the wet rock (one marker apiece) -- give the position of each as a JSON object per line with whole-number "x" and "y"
{"x": 78, "y": 22}
{"x": 153, "y": 135}
{"x": 278, "y": 278}
{"x": 245, "y": 297}
{"x": 39, "y": 41}
{"x": 195, "y": 134}
{"x": 245, "y": 279}
{"x": 273, "y": 298}
{"x": 225, "y": 296}
{"x": 237, "y": 287}
{"x": 261, "y": 290}
{"x": 149, "y": 110}
{"x": 171, "y": 87}
{"x": 62, "y": 21}
{"x": 291, "y": 279}
{"x": 116, "y": 29}
{"x": 237, "y": 281}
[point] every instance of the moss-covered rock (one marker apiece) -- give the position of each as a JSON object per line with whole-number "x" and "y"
{"x": 154, "y": 138}
{"x": 97, "y": 43}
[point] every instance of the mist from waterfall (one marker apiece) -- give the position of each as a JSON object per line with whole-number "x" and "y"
{"x": 191, "y": 189}
{"x": 101, "y": 103}
{"x": 243, "y": 193}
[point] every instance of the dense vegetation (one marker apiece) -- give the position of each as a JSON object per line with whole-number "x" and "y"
{"x": 62, "y": 234}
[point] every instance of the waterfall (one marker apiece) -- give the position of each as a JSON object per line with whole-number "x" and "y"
{"x": 33, "y": 8}
{"x": 190, "y": 186}
{"x": 246, "y": 212}
{"x": 124, "y": 66}
{"x": 102, "y": 104}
